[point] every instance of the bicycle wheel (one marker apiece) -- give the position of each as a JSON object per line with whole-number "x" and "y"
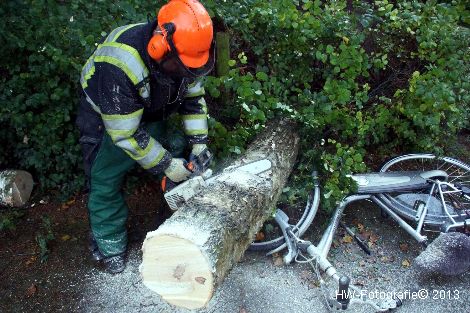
{"x": 449, "y": 203}
{"x": 272, "y": 238}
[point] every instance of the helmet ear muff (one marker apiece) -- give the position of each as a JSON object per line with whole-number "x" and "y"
{"x": 157, "y": 47}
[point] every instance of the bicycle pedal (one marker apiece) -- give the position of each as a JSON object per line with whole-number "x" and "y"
{"x": 358, "y": 240}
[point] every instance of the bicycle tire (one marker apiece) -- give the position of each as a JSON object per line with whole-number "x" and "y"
{"x": 303, "y": 224}
{"x": 459, "y": 175}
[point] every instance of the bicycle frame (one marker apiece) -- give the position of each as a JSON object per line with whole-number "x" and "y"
{"x": 396, "y": 182}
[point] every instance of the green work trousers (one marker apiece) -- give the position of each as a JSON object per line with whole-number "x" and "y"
{"x": 108, "y": 210}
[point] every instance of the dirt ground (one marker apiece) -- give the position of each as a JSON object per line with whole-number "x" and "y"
{"x": 69, "y": 282}
{"x": 29, "y": 284}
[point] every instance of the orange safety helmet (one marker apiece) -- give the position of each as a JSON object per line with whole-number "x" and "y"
{"x": 185, "y": 36}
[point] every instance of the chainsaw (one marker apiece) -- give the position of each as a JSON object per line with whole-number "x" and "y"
{"x": 178, "y": 194}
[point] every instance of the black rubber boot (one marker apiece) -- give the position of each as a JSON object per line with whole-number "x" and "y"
{"x": 115, "y": 264}
{"x": 93, "y": 248}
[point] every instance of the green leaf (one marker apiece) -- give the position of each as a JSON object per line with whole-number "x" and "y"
{"x": 262, "y": 76}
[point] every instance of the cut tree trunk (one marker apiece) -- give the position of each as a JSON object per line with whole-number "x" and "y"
{"x": 15, "y": 187}
{"x": 189, "y": 255}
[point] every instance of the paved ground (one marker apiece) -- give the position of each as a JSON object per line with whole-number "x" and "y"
{"x": 67, "y": 283}
{"x": 257, "y": 284}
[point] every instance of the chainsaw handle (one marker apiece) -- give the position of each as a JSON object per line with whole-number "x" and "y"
{"x": 198, "y": 164}
{"x": 167, "y": 184}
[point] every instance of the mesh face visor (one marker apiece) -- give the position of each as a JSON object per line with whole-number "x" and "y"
{"x": 173, "y": 65}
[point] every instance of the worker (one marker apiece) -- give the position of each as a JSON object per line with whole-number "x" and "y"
{"x": 137, "y": 77}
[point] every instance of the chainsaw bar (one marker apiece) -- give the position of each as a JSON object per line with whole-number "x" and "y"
{"x": 181, "y": 193}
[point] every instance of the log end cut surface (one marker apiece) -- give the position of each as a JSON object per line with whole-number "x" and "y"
{"x": 176, "y": 269}
{"x": 15, "y": 187}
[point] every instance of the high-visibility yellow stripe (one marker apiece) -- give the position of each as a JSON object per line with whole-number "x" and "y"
{"x": 194, "y": 117}
{"x": 127, "y": 145}
{"x": 150, "y": 146}
{"x": 110, "y": 117}
{"x": 136, "y": 149}
{"x": 113, "y": 33}
{"x": 195, "y": 126}
{"x": 124, "y": 29}
{"x": 87, "y": 71}
{"x": 203, "y": 104}
{"x": 155, "y": 161}
{"x": 130, "y": 50}
{"x": 120, "y": 134}
{"x": 148, "y": 157}
{"x": 123, "y": 66}
{"x": 133, "y": 149}
{"x": 121, "y": 55}
{"x": 196, "y": 132}
{"x": 125, "y": 57}
{"x": 195, "y": 90}
{"x": 93, "y": 105}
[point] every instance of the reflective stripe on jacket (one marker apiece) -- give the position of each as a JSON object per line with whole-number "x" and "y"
{"x": 122, "y": 84}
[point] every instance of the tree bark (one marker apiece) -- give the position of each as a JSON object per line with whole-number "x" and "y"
{"x": 223, "y": 53}
{"x": 189, "y": 255}
{"x": 15, "y": 187}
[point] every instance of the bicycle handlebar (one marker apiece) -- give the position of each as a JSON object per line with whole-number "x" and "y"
{"x": 343, "y": 295}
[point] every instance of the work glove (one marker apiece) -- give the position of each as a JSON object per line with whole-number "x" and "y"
{"x": 198, "y": 148}
{"x": 177, "y": 171}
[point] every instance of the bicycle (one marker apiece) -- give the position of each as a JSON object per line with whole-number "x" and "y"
{"x": 421, "y": 192}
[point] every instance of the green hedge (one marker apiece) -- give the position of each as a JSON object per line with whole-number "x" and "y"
{"x": 44, "y": 46}
{"x": 359, "y": 76}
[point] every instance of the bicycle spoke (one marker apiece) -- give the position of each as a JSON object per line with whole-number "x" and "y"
{"x": 447, "y": 169}
{"x": 401, "y": 168}
{"x": 422, "y": 163}
{"x": 458, "y": 174}
{"x": 444, "y": 164}
{"x": 460, "y": 181}
{"x": 456, "y": 170}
